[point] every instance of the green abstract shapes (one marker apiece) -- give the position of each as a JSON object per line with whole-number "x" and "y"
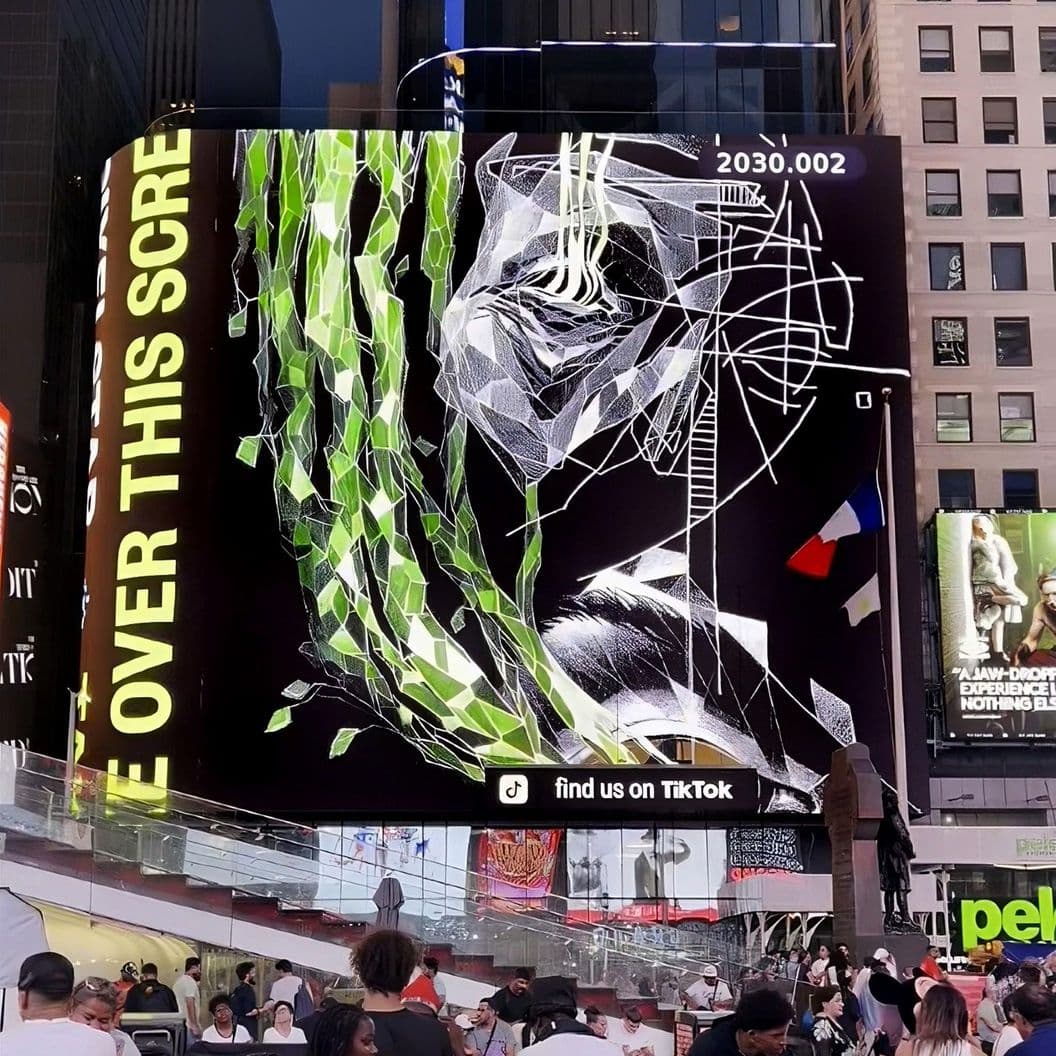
{"x": 331, "y": 326}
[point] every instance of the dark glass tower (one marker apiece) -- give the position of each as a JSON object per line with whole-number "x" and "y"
{"x": 685, "y": 66}
{"x": 71, "y": 92}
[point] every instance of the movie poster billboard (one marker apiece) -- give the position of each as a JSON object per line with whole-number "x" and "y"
{"x": 997, "y": 597}
{"x": 493, "y": 452}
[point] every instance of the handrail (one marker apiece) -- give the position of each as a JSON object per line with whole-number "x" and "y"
{"x": 259, "y": 854}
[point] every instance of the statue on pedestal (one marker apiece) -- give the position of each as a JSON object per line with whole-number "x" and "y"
{"x": 894, "y": 852}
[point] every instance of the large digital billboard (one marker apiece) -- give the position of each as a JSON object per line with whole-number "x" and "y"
{"x": 997, "y": 603}
{"x": 416, "y": 458}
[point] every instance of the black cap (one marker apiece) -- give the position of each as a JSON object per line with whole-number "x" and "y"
{"x": 553, "y": 993}
{"x": 48, "y": 974}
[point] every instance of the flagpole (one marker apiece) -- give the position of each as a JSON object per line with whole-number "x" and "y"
{"x": 898, "y": 705}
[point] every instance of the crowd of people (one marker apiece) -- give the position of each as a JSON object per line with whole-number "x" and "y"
{"x": 875, "y": 1010}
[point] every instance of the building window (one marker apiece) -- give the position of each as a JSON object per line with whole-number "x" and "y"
{"x": 999, "y": 121}
{"x": 1016, "y": 410}
{"x": 1012, "y": 342}
{"x": 940, "y": 120}
{"x": 1021, "y": 489}
{"x": 1004, "y": 195}
{"x": 1008, "y": 265}
{"x": 1048, "y": 111}
{"x": 946, "y": 263}
{"x": 1047, "y": 48}
{"x": 936, "y": 49}
{"x": 1052, "y": 193}
{"x": 953, "y": 417}
{"x": 995, "y": 49}
{"x": 942, "y": 189}
{"x": 957, "y": 489}
{"x": 949, "y": 341}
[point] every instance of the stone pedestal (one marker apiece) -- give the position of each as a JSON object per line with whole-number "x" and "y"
{"x": 854, "y": 809}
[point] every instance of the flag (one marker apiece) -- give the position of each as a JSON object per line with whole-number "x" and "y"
{"x": 864, "y": 601}
{"x": 862, "y": 513}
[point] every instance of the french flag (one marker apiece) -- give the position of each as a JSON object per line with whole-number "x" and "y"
{"x": 861, "y": 514}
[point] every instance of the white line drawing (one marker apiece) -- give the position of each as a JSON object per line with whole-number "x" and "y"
{"x": 542, "y": 352}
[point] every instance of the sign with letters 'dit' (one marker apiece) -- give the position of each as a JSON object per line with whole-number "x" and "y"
{"x": 594, "y": 793}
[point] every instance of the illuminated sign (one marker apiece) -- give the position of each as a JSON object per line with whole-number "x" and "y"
{"x": 515, "y": 454}
{"x": 997, "y": 597}
{"x": 137, "y": 421}
{"x": 5, "y": 462}
{"x": 983, "y": 920}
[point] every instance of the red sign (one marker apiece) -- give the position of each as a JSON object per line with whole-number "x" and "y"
{"x": 5, "y": 474}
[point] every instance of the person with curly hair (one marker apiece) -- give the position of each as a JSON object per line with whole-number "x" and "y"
{"x": 385, "y": 962}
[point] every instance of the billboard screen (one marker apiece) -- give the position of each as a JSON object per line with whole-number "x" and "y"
{"x": 496, "y": 452}
{"x": 997, "y": 596}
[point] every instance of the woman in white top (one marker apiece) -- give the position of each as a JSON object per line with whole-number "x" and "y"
{"x": 942, "y": 1026}
{"x": 284, "y": 1032}
{"x": 1009, "y": 1036}
{"x": 818, "y": 973}
{"x": 224, "y": 1031}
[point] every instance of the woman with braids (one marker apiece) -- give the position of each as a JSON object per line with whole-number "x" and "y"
{"x": 95, "y": 1005}
{"x": 343, "y": 1030}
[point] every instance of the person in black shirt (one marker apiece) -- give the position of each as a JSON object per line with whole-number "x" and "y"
{"x": 385, "y": 962}
{"x": 758, "y": 1027}
{"x": 309, "y": 1024}
{"x": 148, "y": 995}
{"x": 513, "y": 1001}
{"x": 244, "y": 998}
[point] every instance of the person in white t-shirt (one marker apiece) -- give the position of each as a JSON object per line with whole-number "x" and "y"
{"x": 189, "y": 996}
{"x": 285, "y": 986}
{"x": 625, "y": 1033}
{"x": 224, "y": 1031}
{"x": 45, "y": 988}
{"x": 709, "y": 993}
{"x": 284, "y": 1032}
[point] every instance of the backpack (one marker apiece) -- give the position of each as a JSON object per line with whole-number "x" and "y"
{"x": 303, "y": 1004}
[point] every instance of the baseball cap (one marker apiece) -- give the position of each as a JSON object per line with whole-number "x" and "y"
{"x": 129, "y": 968}
{"x": 882, "y": 954}
{"x": 710, "y": 972}
{"x": 48, "y": 974}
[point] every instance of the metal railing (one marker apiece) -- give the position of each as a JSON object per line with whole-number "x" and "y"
{"x": 306, "y": 868}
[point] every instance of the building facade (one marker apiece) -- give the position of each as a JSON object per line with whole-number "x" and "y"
{"x": 188, "y": 61}
{"x": 646, "y": 65}
{"x": 970, "y": 87}
{"x": 69, "y": 96}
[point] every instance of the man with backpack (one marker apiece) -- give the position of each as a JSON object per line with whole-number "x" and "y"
{"x": 292, "y": 989}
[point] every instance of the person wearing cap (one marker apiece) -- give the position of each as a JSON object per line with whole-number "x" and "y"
{"x": 709, "y": 993}
{"x": 45, "y": 991}
{"x": 882, "y": 1021}
{"x": 512, "y": 1002}
{"x": 758, "y": 1027}
{"x": 626, "y": 1034}
{"x": 129, "y": 978}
